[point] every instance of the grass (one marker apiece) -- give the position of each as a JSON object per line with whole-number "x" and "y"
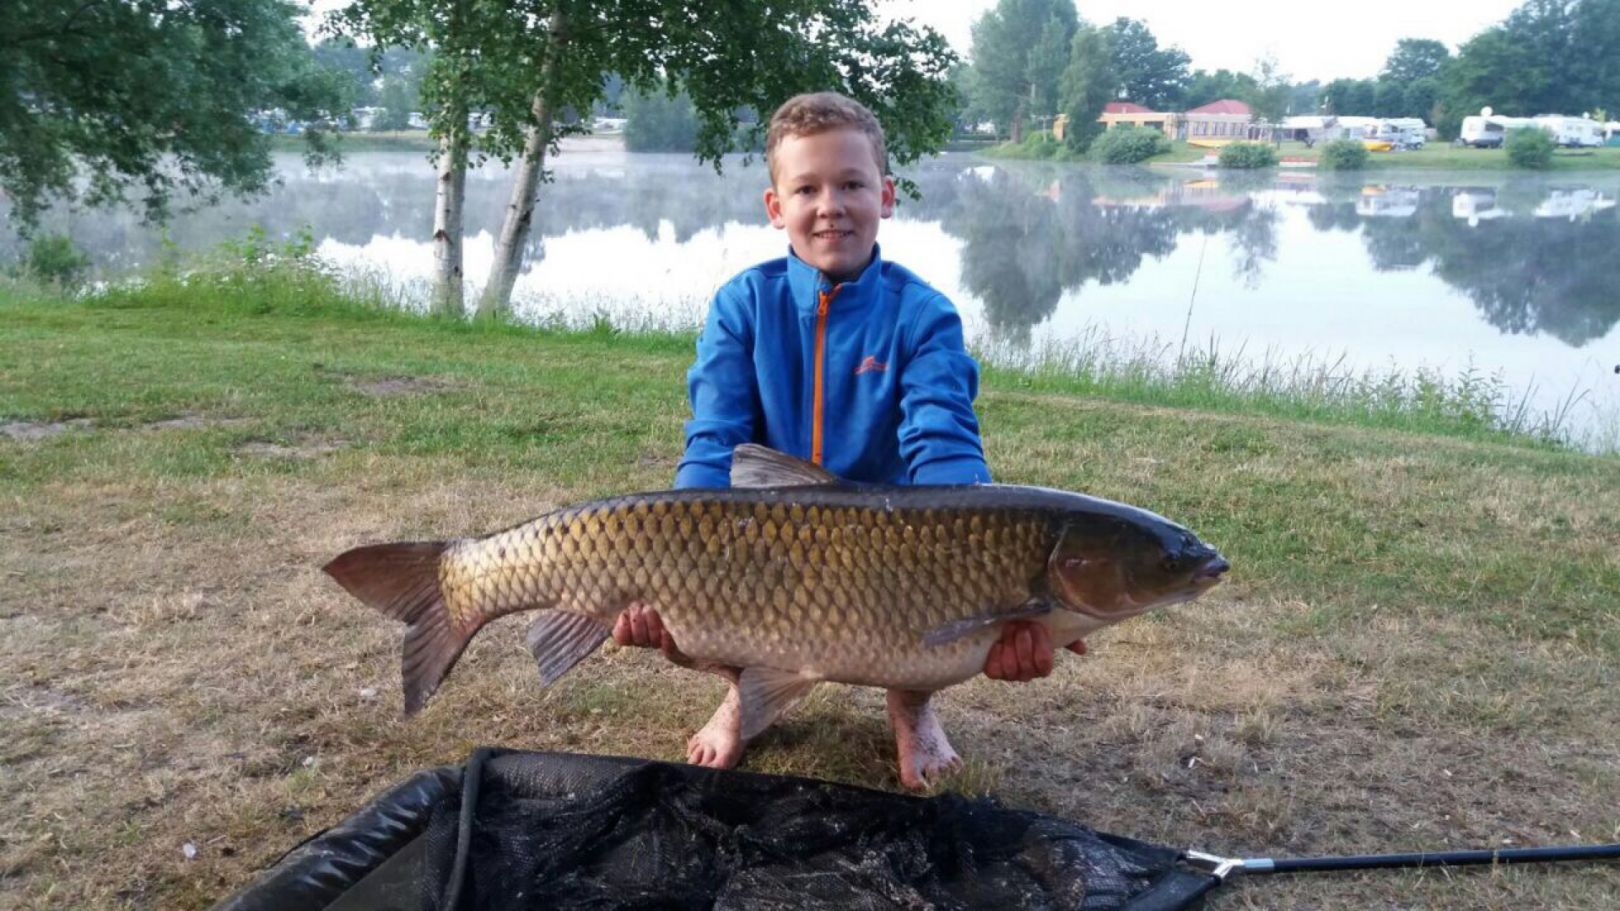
{"x": 1436, "y": 155}
{"x": 1418, "y": 647}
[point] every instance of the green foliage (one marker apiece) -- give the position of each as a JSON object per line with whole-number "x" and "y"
{"x": 150, "y": 95}
{"x": 1204, "y": 87}
{"x": 659, "y": 122}
{"x": 53, "y": 259}
{"x": 1087, "y": 84}
{"x": 1019, "y": 55}
{"x": 1147, "y": 74}
{"x": 727, "y": 58}
{"x": 1129, "y": 145}
{"x": 1343, "y": 155}
{"x": 1530, "y": 148}
{"x": 1248, "y": 155}
{"x": 1039, "y": 144}
{"x": 1271, "y": 93}
{"x": 1414, "y": 59}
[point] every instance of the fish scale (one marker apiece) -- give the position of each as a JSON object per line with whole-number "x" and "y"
{"x": 848, "y": 570}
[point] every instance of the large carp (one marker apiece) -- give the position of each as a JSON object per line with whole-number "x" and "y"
{"x": 791, "y": 576}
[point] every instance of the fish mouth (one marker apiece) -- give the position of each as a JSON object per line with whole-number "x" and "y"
{"x": 1209, "y": 575}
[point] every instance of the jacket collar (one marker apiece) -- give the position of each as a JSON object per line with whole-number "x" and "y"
{"x": 806, "y": 282}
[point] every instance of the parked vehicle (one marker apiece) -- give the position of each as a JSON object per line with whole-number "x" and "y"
{"x": 1483, "y": 131}
{"x": 1572, "y": 132}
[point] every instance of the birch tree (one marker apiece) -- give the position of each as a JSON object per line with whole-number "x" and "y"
{"x": 533, "y": 68}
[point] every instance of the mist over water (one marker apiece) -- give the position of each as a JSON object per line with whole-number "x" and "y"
{"x": 1505, "y": 274}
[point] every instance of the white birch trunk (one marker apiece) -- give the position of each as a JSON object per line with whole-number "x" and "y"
{"x": 515, "y": 227}
{"x": 448, "y": 206}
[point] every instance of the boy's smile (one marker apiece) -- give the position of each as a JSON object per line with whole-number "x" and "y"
{"x": 829, "y": 195}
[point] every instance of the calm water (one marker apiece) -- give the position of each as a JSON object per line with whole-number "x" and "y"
{"x": 1510, "y": 275}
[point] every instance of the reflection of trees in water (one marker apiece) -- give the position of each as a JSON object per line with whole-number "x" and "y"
{"x": 1525, "y": 274}
{"x": 1032, "y": 234}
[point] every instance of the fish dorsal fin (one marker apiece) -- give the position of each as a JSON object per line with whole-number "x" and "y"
{"x": 753, "y": 465}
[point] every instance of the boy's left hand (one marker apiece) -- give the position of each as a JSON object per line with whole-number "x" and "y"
{"x": 1024, "y": 652}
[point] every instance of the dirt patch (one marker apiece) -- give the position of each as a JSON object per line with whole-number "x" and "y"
{"x": 307, "y": 449}
{"x": 194, "y": 422}
{"x": 28, "y": 431}
{"x": 390, "y": 386}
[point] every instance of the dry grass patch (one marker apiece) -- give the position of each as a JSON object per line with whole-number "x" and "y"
{"x": 1418, "y": 647}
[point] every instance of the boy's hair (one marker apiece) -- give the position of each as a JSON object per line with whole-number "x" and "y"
{"x": 818, "y": 112}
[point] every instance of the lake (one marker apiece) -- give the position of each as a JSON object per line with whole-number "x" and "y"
{"x": 1508, "y": 275}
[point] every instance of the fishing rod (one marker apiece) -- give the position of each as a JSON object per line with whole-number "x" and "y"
{"x": 1222, "y": 867}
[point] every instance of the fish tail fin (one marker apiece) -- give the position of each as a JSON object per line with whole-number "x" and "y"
{"x": 402, "y": 581}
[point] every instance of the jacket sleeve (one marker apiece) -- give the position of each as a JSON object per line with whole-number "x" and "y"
{"x": 939, "y": 434}
{"x": 724, "y": 395}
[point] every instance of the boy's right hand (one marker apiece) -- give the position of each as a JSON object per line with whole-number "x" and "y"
{"x": 1024, "y": 652}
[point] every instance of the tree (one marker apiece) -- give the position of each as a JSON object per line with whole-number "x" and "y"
{"x": 1016, "y": 61}
{"x": 656, "y": 121}
{"x": 1087, "y": 85}
{"x": 1204, "y": 87}
{"x": 102, "y": 98}
{"x": 1414, "y": 59}
{"x": 1269, "y": 97}
{"x": 525, "y": 66}
{"x": 1148, "y": 75}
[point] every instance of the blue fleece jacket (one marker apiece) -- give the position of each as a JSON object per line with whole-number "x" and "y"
{"x": 897, "y": 385}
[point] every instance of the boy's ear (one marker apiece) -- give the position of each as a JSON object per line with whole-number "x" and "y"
{"x": 773, "y": 207}
{"x": 888, "y": 196}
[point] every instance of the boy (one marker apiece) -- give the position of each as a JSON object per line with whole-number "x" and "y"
{"x": 836, "y": 356}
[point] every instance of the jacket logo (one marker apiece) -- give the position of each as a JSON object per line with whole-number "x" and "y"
{"x": 871, "y": 365}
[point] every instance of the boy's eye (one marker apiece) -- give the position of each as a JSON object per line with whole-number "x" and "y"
{"x": 803, "y": 190}
{"x": 854, "y": 185}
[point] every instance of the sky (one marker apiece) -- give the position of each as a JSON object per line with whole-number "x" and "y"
{"x": 1310, "y": 39}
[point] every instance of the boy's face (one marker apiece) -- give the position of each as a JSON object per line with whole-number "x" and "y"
{"x": 828, "y": 195}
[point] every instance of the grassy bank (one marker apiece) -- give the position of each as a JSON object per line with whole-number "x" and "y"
{"x": 1436, "y": 156}
{"x": 1418, "y": 647}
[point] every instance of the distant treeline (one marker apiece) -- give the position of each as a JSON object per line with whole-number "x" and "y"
{"x": 1034, "y": 59}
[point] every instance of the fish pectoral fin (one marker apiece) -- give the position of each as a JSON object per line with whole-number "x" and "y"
{"x": 753, "y": 465}
{"x": 767, "y": 694}
{"x": 559, "y": 639}
{"x": 967, "y": 626}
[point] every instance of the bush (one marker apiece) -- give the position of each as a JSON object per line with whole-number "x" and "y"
{"x": 1248, "y": 155}
{"x": 1343, "y": 155}
{"x": 1128, "y": 145}
{"x": 1530, "y": 148}
{"x": 1038, "y": 144}
{"x": 655, "y": 122}
{"x": 53, "y": 260}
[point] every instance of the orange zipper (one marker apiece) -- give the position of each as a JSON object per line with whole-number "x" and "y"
{"x": 824, "y": 301}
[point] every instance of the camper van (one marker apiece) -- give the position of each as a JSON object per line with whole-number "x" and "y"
{"x": 1400, "y": 132}
{"x": 1487, "y": 131}
{"x": 1572, "y": 132}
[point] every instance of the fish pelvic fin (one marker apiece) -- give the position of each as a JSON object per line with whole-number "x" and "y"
{"x": 561, "y": 639}
{"x": 767, "y": 694}
{"x": 402, "y": 581}
{"x": 753, "y": 465}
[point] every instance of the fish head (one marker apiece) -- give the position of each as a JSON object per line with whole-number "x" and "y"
{"x": 1123, "y": 566}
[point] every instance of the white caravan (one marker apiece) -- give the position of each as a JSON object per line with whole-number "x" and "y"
{"x": 1572, "y": 132}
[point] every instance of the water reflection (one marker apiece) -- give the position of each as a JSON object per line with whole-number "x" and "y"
{"x": 1422, "y": 271}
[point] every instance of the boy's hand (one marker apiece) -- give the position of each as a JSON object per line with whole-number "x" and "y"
{"x": 639, "y": 625}
{"x": 1024, "y": 652}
